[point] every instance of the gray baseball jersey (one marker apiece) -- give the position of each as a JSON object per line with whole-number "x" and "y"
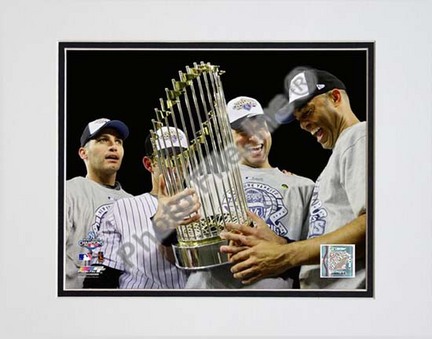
{"x": 86, "y": 203}
{"x": 282, "y": 201}
{"x": 339, "y": 197}
{"x": 130, "y": 245}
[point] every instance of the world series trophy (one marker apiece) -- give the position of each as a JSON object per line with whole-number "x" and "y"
{"x": 208, "y": 162}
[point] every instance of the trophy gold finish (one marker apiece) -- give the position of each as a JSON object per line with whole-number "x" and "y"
{"x": 207, "y": 162}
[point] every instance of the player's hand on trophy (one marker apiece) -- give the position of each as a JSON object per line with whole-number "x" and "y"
{"x": 247, "y": 235}
{"x": 172, "y": 211}
{"x": 254, "y": 251}
{"x": 262, "y": 260}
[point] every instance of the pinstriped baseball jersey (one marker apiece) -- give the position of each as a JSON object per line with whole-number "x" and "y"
{"x": 130, "y": 245}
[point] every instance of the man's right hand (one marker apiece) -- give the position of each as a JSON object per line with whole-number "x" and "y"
{"x": 172, "y": 211}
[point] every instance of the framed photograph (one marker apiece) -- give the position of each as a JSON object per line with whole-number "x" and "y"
{"x": 126, "y": 82}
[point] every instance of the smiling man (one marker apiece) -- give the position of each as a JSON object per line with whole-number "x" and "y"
{"x": 319, "y": 101}
{"x": 280, "y": 199}
{"x": 89, "y": 198}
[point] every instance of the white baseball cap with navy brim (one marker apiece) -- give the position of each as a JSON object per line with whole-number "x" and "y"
{"x": 95, "y": 127}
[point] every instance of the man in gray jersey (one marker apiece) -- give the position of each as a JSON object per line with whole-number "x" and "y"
{"x": 318, "y": 100}
{"x": 89, "y": 197}
{"x": 136, "y": 252}
{"x": 280, "y": 199}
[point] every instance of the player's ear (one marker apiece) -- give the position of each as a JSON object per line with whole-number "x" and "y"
{"x": 336, "y": 96}
{"x": 82, "y": 152}
{"x": 147, "y": 162}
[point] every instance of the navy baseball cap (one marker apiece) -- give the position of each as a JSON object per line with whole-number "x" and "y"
{"x": 303, "y": 84}
{"x": 93, "y": 128}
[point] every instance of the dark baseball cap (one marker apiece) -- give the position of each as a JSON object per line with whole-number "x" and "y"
{"x": 303, "y": 84}
{"x": 95, "y": 127}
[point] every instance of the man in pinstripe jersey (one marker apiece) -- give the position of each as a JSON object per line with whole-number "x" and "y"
{"x": 134, "y": 253}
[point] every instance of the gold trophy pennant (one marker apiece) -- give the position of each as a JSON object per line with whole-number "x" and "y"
{"x": 194, "y": 148}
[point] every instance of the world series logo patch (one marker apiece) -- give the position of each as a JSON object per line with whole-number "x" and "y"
{"x": 266, "y": 202}
{"x": 337, "y": 261}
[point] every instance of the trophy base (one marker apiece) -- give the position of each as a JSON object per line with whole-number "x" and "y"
{"x": 201, "y": 256}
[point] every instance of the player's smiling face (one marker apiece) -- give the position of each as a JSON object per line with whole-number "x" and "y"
{"x": 253, "y": 142}
{"x": 320, "y": 118}
{"x": 105, "y": 152}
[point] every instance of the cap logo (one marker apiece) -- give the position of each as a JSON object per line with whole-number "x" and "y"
{"x": 320, "y": 86}
{"x": 298, "y": 87}
{"x": 170, "y": 137}
{"x": 95, "y": 125}
{"x": 244, "y": 104}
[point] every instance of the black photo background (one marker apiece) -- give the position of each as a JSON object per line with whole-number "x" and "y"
{"x": 126, "y": 84}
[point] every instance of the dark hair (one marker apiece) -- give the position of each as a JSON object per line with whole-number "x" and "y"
{"x": 148, "y": 147}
